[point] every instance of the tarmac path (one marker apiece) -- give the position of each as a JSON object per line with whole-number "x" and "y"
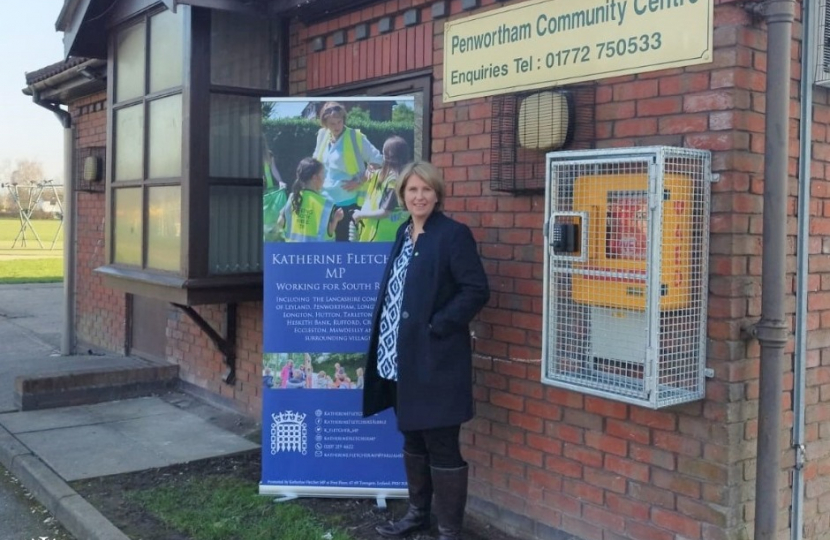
{"x": 30, "y": 318}
{"x": 22, "y": 517}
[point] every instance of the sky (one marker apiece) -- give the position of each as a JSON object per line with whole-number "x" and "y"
{"x": 29, "y": 42}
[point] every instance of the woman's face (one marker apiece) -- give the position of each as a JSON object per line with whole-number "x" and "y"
{"x": 335, "y": 123}
{"x": 419, "y": 197}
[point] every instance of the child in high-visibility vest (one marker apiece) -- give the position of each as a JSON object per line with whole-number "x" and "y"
{"x": 309, "y": 216}
{"x": 381, "y": 215}
{"x": 273, "y": 199}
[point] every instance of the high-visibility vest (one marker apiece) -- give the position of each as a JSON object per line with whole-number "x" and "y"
{"x": 269, "y": 177}
{"x": 384, "y": 229}
{"x": 353, "y": 161}
{"x": 311, "y": 223}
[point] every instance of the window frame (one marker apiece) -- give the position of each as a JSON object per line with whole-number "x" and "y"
{"x": 145, "y": 100}
{"x": 193, "y": 284}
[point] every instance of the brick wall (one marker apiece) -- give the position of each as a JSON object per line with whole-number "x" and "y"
{"x": 203, "y": 366}
{"x": 544, "y": 457}
{"x": 100, "y": 312}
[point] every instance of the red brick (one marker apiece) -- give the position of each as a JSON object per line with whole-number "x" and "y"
{"x": 506, "y": 400}
{"x": 525, "y": 455}
{"x": 606, "y": 443}
{"x": 673, "y": 521}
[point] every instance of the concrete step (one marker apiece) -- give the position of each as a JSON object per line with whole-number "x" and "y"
{"x": 85, "y": 386}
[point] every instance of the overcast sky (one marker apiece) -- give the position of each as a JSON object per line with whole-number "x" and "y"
{"x": 29, "y": 42}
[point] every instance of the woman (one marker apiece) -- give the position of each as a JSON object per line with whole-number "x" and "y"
{"x": 420, "y": 356}
{"x": 308, "y": 215}
{"x": 345, "y": 153}
{"x": 379, "y": 218}
{"x": 285, "y": 374}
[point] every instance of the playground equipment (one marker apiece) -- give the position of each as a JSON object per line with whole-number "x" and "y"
{"x": 26, "y": 207}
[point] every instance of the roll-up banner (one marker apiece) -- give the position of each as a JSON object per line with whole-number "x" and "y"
{"x": 329, "y": 219}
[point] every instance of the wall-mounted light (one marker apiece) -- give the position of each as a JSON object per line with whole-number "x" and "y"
{"x": 92, "y": 169}
{"x": 545, "y": 120}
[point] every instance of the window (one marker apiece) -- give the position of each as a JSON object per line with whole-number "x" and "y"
{"x": 147, "y": 142}
{"x": 242, "y": 70}
{"x": 185, "y": 180}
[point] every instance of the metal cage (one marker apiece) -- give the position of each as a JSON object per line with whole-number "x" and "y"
{"x": 515, "y": 169}
{"x": 626, "y": 269}
{"x": 83, "y": 180}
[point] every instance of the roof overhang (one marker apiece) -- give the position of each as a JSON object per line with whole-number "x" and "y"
{"x": 84, "y": 22}
{"x": 67, "y": 81}
{"x": 83, "y": 27}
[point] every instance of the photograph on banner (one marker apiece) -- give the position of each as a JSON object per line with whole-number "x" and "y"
{"x": 330, "y": 214}
{"x": 313, "y": 371}
{"x": 330, "y": 168}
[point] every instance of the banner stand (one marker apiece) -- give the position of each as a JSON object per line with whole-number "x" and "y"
{"x": 285, "y": 494}
{"x": 321, "y": 282}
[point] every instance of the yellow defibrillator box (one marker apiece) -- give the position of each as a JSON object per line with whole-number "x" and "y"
{"x": 617, "y": 212}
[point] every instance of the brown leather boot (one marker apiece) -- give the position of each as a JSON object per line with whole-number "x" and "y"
{"x": 450, "y": 500}
{"x": 419, "y": 481}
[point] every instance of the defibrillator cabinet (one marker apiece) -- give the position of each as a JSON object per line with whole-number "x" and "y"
{"x": 626, "y": 251}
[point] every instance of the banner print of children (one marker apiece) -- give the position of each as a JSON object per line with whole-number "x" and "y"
{"x": 341, "y": 187}
{"x": 319, "y": 372}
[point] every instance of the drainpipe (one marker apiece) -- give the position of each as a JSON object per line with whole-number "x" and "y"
{"x": 805, "y": 159}
{"x": 68, "y": 330}
{"x": 771, "y": 330}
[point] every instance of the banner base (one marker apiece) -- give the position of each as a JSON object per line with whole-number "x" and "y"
{"x": 286, "y": 493}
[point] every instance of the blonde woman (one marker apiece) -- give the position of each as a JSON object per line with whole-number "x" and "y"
{"x": 345, "y": 153}
{"x": 420, "y": 355}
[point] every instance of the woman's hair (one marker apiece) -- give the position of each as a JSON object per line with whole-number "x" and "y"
{"x": 431, "y": 176}
{"x": 306, "y": 170}
{"x": 398, "y": 154}
{"x": 331, "y": 108}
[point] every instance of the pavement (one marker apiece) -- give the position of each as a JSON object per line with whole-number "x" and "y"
{"x": 48, "y": 448}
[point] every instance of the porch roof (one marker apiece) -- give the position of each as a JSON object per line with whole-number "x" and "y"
{"x": 84, "y": 22}
{"x": 44, "y": 73}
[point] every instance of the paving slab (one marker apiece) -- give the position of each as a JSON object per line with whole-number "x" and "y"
{"x": 119, "y": 437}
{"x": 31, "y": 319}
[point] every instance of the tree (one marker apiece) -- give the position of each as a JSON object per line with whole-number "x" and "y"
{"x": 357, "y": 115}
{"x": 27, "y": 171}
{"x": 6, "y": 202}
{"x": 403, "y": 113}
{"x": 268, "y": 108}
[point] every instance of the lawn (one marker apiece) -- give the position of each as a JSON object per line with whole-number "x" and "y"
{"x": 29, "y": 262}
{"x": 45, "y": 229}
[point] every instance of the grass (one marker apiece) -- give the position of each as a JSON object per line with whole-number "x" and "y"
{"x": 31, "y": 270}
{"x": 30, "y": 263}
{"x": 46, "y": 229}
{"x": 220, "y": 507}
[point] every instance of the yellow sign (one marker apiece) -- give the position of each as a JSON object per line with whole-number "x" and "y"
{"x": 545, "y": 43}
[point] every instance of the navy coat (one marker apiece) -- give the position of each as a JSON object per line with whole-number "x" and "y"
{"x": 445, "y": 288}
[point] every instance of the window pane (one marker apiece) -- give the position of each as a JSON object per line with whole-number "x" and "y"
{"x": 235, "y": 229}
{"x": 241, "y": 51}
{"x": 164, "y": 228}
{"x": 129, "y": 63}
{"x": 126, "y": 235}
{"x": 166, "y": 50}
{"x": 129, "y": 143}
{"x": 235, "y": 142}
{"x": 165, "y": 154}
